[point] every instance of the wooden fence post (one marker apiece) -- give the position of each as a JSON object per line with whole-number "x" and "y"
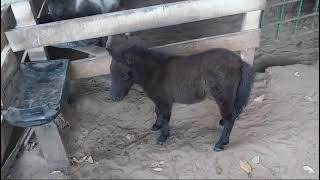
{"x": 25, "y": 16}
{"x": 251, "y": 20}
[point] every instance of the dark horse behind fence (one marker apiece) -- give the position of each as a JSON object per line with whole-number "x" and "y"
{"x": 218, "y": 74}
{"x": 69, "y": 9}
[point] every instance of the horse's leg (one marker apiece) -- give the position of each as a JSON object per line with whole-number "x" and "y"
{"x": 109, "y": 42}
{"x": 103, "y": 41}
{"x": 163, "y": 118}
{"x": 158, "y": 124}
{"x": 225, "y": 100}
{"x": 221, "y": 122}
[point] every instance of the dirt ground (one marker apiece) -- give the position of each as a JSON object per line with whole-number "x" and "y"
{"x": 280, "y": 126}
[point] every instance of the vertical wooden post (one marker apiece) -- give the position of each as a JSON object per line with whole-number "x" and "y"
{"x": 25, "y": 16}
{"x": 48, "y": 135}
{"x": 251, "y": 20}
{"x": 52, "y": 146}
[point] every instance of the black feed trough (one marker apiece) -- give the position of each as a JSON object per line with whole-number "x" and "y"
{"x": 38, "y": 91}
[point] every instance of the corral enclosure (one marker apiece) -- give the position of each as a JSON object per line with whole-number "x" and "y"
{"x": 118, "y": 138}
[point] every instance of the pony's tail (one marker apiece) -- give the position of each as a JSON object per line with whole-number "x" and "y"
{"x": 244, "y": 88}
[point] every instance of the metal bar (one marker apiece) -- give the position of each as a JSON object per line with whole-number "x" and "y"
{"x": 293, "y": 19}
{"x": 262, "y": 18}
{"x": 307, "y": 32}
{"x": 296, "y": 23}
{"x": 315, "y": 10}
{"x": 281, "y": 18}
{"x": 282, "y": 3}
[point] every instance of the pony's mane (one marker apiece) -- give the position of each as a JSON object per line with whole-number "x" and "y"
{"x": 143, "y": 55}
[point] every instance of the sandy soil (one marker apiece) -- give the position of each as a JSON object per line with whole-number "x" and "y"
{"x": 282, "y": 130}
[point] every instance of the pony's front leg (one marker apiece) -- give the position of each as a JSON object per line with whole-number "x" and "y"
{"x": 158, "y": 124}
{"x": 163, "y": 111}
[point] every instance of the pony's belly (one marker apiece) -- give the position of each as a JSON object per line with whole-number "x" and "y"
{"x": 190, "y": 98}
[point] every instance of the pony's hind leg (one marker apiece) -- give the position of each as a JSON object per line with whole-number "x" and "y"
{"x": 221, "y": 122}
{"x": 225, "y": 100}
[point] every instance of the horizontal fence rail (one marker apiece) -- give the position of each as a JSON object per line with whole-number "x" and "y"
{"x": 127, "y": 21}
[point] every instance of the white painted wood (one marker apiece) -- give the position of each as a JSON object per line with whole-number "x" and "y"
{"x": 251, "y": 20}
{"x": 12, "y": 157}
{"x": 52, "y": 146}
{"x": 90, "y": 67}
{"x": 24, "y": 15}
{"x": 233, "y": 41}
{"x": 6, "y": 132}
{"x": 7, "y": 22}
{"x": 9, "y": 65}
{"x": 127, "y": 21}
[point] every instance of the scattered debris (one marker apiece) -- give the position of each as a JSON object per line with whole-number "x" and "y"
{"x": 219, "y": 170}
{"x": 56, "y": 172}
{"x": 246, "y": 167}
{"x": 89, "y": 160}
{"x": 158, "y": 166}
{"x": 99, "y": 140}
{"x": 84, "y": 130}
{"x": 308, "y": 98}
{"x": 256, "y": 160}
{"x": 308, "y": 169}
{"x": 158, "y": 169}
{"x": 297, "y": 74}
{"x": 259, "y": 99}
{"x": 129, "y": 137}
{"x": 30, "y": 146}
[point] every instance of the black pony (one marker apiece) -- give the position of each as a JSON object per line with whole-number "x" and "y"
{"x": 218, "y": 74}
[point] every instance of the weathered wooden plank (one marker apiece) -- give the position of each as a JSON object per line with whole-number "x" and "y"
{"x": 90, "y": 67}
{"x": 7, "y": 22}
{"x": 38, "y": 6}
{"x": 24, "y": 14}
{"x": 9, "y": 65}
{"x": 52, "y": 146}
{"x": 6, "y": 131}
{"x": 11, "y": 159}
{"x": 251, "y": 20}
{"x": 233, "y": 41}
{"x": 93, "y": 50}
{"x": 44, "y": 9}
{"x": 127, "y": 21}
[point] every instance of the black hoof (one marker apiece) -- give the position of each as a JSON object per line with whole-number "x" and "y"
{"x": 219, "y": 146}
{"x": 221, "y": 122}
{"x": 217, "y": 149}
{"x": 155, "y": 127}
{"x": 162, "y": 140}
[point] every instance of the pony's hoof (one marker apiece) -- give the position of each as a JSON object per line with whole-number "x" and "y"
{"x": 155, "y": 127}
{"x": 221, "y": 122}
{"x": 217, "y": 148}
{"x": 162, "y": 140}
